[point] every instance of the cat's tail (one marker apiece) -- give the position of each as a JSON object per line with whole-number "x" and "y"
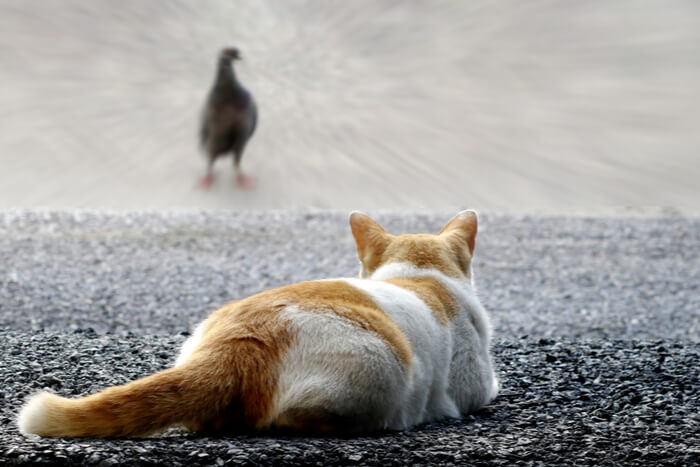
{"x": 199, "y": 395}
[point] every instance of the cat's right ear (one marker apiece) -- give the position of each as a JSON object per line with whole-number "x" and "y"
{"x": 370, "y": 237}
{"x": 462, "y": 228}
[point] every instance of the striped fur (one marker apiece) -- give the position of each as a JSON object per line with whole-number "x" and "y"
{"x": 406, "y": 343}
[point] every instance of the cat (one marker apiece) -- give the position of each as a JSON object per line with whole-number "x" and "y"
{"x": 406, "y": 343}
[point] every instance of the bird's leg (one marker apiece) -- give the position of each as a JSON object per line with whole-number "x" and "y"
{"x": 242, "y": 180}
{"x": 208, "y": 179}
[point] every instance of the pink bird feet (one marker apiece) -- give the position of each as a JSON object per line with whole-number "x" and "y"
{"x": 206, "y": 182}
{"x": 243, "y": 181}
{"x": 246, "y": 182}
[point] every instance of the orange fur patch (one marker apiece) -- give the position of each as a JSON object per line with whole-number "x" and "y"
{"x": 346, "y": 301}
{"x": 423, "y": 251}
{"x": 433, "y": 293}
{"x": 249, "y": 337}
{"x": 227, "y": 383}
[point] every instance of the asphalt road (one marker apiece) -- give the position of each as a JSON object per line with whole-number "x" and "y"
{"x": 596, "y": 325}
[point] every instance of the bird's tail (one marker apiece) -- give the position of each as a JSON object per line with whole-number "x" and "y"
{"x": 194, "y": 395}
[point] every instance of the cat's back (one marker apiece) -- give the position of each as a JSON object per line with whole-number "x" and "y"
{"x": 398, "y": 310}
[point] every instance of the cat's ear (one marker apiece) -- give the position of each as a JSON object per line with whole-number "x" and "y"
{"x": 370, "y": 237}
{"x": 462, "y": 228}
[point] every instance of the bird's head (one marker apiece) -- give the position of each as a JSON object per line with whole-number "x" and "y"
{"x": 229, "y": 54}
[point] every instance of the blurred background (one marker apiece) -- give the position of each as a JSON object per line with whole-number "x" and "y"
{"x": 513, "y": 106}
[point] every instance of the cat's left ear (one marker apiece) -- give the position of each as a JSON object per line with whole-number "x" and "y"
{"x": 369, "y": 236}
{"x": 463, "y": 227}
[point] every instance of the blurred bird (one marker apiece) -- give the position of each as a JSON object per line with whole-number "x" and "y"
{"x": 228, "y": 121}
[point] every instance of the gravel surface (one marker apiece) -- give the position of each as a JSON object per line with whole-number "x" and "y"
{"x": 563, "y": 401}
{"x": 596, "y": 322}
{"x": 162, "y": 273}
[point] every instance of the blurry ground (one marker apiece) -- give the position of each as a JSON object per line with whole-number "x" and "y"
{"x": 537, "y": 106}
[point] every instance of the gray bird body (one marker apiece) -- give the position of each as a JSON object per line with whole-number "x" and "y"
{"x": 230, "y": 114}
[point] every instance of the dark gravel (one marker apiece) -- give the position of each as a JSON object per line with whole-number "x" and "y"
{"x": 569, "y": 402}
{"x": 596, "y": 324}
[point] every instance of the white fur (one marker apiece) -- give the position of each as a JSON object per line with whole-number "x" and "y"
{"x": 337, "y": 367}
{"x": 334, "y": 365}
{"x": 33, "y": 417}
{"x": 190, "y": 344}
{"x": 431, "y": 344}
{"x": 472, "y": 380}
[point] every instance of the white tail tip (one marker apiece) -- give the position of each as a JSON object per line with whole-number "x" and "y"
{"x": 33, "y": 418}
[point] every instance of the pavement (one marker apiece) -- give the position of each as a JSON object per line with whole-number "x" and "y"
{"x": 508, "y": 106}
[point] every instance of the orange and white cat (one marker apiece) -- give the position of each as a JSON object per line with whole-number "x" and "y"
{"x": 406, "y": 343}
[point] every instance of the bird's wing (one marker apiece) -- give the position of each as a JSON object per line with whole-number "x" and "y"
{"x": 204, "y": 127}
{"x": 253, "y": 118}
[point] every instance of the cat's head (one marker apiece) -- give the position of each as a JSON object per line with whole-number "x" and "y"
{"x": 450, "y": 251}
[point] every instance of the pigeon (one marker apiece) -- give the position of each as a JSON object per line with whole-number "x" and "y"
{"x": 228, "y": 120}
